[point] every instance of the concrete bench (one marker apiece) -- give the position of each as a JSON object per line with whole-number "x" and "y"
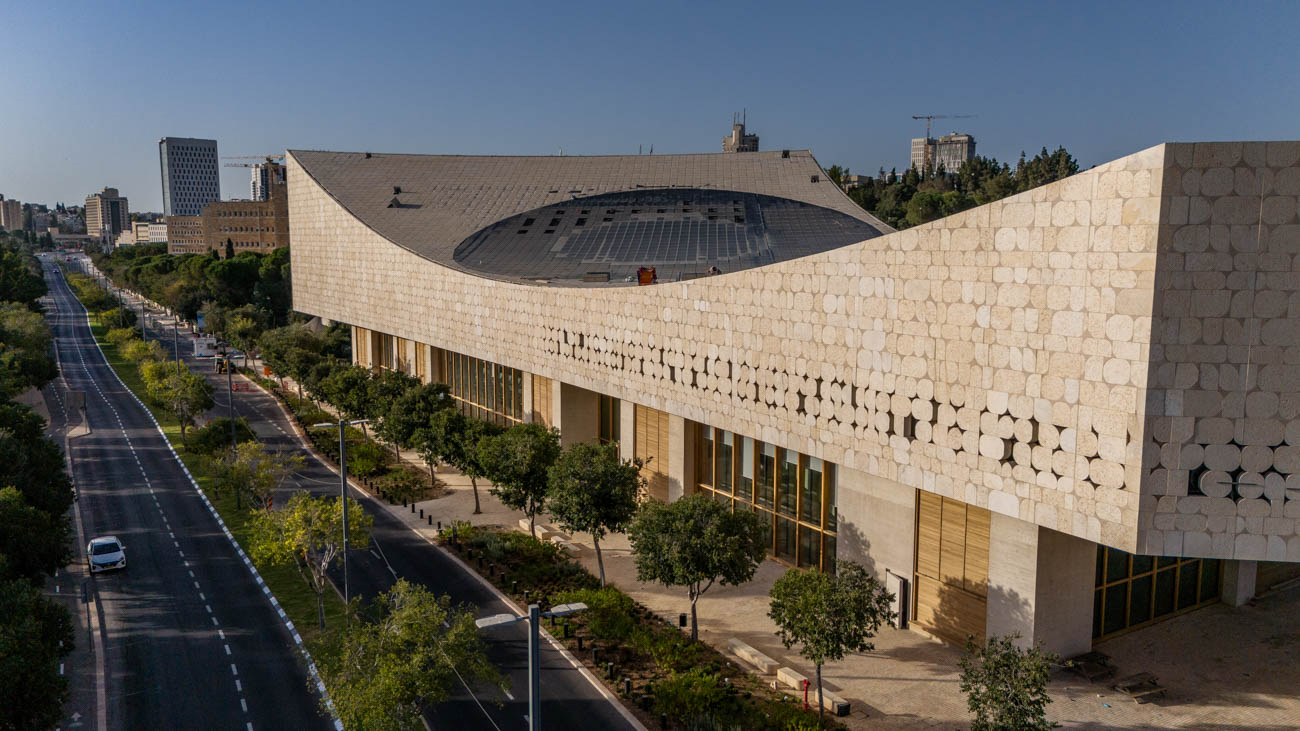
{"x": 831, "y": 702}
{"x": 765, "y": 664}
{"x": 523, "y": 525}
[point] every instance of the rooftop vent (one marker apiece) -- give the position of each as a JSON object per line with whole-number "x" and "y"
{"x": 397, "y": 189}
{"x": 394, "y": 203}
{"x": 816, "y": 178}
{"x": 595, "y": 277}
{"x": 785, "y": 154}
{"x": 367, "y": 155}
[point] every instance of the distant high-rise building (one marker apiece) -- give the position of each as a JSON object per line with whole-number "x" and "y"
{"x": 107, "y": 214}
{"x": 738, "y": 141}
{"x": 11, "y": 214}
{"x": 265, "y": 175}
{"x": 190, "y": 179}
{"x": 952, "y": 151}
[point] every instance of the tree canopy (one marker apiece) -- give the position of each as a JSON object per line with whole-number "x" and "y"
{"x": 695, "y": 542}
{"x": 827, "y": 614}
{"x": 1006, "y": 685}
{"x": 517, "y": 461}
{"x": 592, "y": 491}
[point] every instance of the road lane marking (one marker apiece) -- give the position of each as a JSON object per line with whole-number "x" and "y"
{"x": 227, "y": 649}
{"x": 233, "y": 670}
{"x": 243, "y": 704}
{"x": 209, "y": 608}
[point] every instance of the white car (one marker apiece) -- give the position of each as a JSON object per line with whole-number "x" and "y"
{"x": 105, "y": 553}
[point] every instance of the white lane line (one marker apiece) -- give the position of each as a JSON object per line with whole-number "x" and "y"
{"x": 239, "y": 686}
{"x": 61, "y": 664}
{"x": 234, "y": 670}
{"x": 209, "y": 606}
{"x": 243, "y": 703}
{"x": 204, "y": 599}
{"x": 221, "y": 634}
{"x": 228, "y": 646}
{"x": 214, "y": 622}
{"x": 508, "y": 695}
{"x": 192, "y": 573}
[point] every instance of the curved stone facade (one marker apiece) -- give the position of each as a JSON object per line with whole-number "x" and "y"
{"x": 1034, "y": 356}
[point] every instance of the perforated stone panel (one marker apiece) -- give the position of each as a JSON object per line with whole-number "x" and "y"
{"x": 999, "y": 356}
{"x": 1222, "y": 457}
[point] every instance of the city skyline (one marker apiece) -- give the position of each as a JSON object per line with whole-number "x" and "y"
{"x": 614, "y": 81}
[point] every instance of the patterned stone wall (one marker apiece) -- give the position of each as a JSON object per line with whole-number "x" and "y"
{"x": 999, "y": 356}
{"x": 1222, "y": 457}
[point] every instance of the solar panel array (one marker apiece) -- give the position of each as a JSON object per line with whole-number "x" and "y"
{"x": 680, "y": 232}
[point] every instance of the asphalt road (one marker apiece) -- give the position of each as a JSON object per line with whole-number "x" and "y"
{"x": 188, "y": 638}
{"x": 569, "y": 700}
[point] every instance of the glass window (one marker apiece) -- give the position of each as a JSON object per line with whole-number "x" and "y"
{"x": 704, "y": 461}
{"x": 722, "y": 473}
{"x": 785, "y": 536}
{"x": 832, "y": 512}
{"x": 789, "y": 482}
{"x": 1188, "y": 577}
{"x": 766, "y": 475}
{"x": 1140, "y": 601}
{"x": 810, "y": 508}
{"x": 828, "y": 553}
{"x": 1116, "y": 599}
{"x": 1164, "y": 592}
{"x": 1209, "y": 579}
{"x": 1116, "y": 565}
{"x": 745, "y": 488}
{"x": 809, "y": 547}
{"x": 765, "y": 528}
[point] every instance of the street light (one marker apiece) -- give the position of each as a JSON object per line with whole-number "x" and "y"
{"x": 343, "y": 486}
{"x": 534, "y": 620}
{"x": 230, "y": 392}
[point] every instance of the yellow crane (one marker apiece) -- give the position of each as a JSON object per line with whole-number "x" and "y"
{"x": 928, "y": 119}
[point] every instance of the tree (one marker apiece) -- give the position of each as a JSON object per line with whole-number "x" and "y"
{"x": 178, "y": 390}
{"x": 308, "y": 533}
{"x": 31, "y": 462}
{"x": 250, "y": 470}
{"x": 517, "y": 461}
{"x": 384, "y": 389}
{"x": 34, "y": 543}
{"x": 243, "y": 332}
{"x": 19, "y": 280}
{"x": 25, "y": 361}
{"x": 348, "y": 389}
{"x": 829, "y": 614}
{"x": 439, "y": 439}
{"x": 592, "y": 491}
{"x": 1006, "y": 685}
{"x": 695, "y": 542}
{"x": 412, "y": 411}
{"x": 409, "y": 653}
{"x": 35, "y": 634}
{"x": 464, "y": 453}
{"x": 140, "y": 351}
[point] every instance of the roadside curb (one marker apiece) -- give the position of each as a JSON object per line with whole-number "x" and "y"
{"x": 266, "y": 590}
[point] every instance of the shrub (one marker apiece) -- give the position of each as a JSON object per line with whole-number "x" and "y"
{"x": 367, "y": 459}
{"x": 138, "y": 351}
{"x": 670, "y": 649}
{"x": 609, "y": 612}
{"x": 697, "y": 697}
{"x": 403, "y": 485}
{"x": 118, "y": 316}
{"x": 214, "y": 436}
{"x": 121, "y": 336}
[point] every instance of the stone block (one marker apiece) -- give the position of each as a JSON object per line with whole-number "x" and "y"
{"x": 761, "y": 662}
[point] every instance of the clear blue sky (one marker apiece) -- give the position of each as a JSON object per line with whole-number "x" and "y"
{"x": 89, "y": 87}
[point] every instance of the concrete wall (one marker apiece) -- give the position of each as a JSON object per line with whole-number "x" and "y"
{"x": 877, "y": 523}
{"x": 1040, "y": 586}
{"x": 577, "y": 414}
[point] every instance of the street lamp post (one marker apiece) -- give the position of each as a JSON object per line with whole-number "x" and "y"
{"x": 343, "y": 487}
{"x": 176, "y": 342}
{"x": 534, "y": 620}
{"x": 230, "y": 392}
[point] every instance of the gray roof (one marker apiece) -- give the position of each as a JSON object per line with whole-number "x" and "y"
{"x": 467, "y": 212}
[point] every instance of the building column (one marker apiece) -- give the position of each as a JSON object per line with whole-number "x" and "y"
{"x": 681, "y": 456}
{"x": 1040, "y": 586}
{"x": 576, "y": 412}
{"x": 1238, "y": 582}
{"x": 626, "y": 430}
{"x": 876, "y": 523}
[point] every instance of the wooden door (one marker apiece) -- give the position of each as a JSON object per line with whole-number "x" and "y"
{"x": 651, "y": 446}
{"x": 952, "y": 559}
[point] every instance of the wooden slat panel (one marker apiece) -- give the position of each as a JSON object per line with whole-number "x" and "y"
{"x": 977, "y": 550}
{"x": 927, "y": 601}
{"x": 928, "y": 524}
{"x": 952, "y": 547}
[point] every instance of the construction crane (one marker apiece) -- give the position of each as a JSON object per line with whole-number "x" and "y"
{"x": 264, "y": 158}
{"x": 928, "y": 119}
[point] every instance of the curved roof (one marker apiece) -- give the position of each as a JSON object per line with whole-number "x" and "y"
{"x": 466, "y": 212}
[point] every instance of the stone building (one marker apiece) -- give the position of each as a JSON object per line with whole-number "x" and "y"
{"x": 738, "y": 141}
{"x": 1065, "y": 414}
{"x": 11, "y": 214}
{"x": 107, "y": 214}
{"x": 185, "y": 235}
{"x": 951, "y": 151}
{"x": 260, "y": 226}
